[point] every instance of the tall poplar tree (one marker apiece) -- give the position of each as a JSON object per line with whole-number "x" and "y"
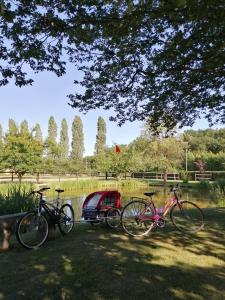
{"x": 13, "y": 130}
{"x": 1, "y": 136}
{"x": 37, "y": 133}
{"x": 77, "y": 139}
{"x": 64, "y": 139}
{"x": 100, "y": 144}
{"x": 51, "y": 142}
{"x": 24, "y": 129}
{"x": 52, "y": 130}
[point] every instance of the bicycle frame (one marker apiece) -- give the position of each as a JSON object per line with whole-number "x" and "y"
{"x": 46, "y": 206}
{"x": 169, "y": 204}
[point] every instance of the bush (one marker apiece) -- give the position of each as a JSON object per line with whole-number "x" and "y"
{"x": 16, "y": 200}
{"x": 185, "y": 176}
{"x": 204, "y": 185}
{"x": 219, "y": 186}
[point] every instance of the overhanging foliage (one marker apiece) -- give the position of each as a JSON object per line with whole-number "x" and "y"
{"x": 156, "y": 60}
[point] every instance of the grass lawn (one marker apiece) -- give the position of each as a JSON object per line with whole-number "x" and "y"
{"x": 98, "y": 263}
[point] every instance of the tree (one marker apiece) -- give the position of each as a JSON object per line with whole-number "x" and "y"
{"x": 13, "y": 130}
{"x": 77, "y": 139}
{"x": 209, "y": 140}
{"x": 64, "y": 139}
{"x": 51, "y": 143}
{"x": 52, "y": 130}
{"x": 100, "y": 144}
{"x": 117, "y": 162}
{"x": 37, "y": 134}
{"x": 24, "y": 129}
{"x": 163, "y": 59}
{"x": 1, "y": 136}
{"x": 161, "y": 153}
{"x": 21, "y": 154}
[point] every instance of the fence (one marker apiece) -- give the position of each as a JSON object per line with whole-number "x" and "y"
{"x": 203, "y": 176}
{"x": 156, "y": 175}
{"x": 191, "y": 175}
{"x": 6, "y": 177}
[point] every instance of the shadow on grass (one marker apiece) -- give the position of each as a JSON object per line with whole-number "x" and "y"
{"x": 96, "y": 263}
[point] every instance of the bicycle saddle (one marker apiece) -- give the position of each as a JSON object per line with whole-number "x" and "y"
{"x": 59, "y": 190}
{"x": 149, "y": 194}
{"x": 43, "y": 189}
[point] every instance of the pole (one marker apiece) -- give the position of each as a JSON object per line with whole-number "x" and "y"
{"x": 186, "y": 162}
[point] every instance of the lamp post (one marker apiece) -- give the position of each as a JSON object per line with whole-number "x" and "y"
{"x": 186, "y": 156}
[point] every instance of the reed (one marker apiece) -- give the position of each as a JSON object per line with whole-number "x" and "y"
{"x": 88, "y": 185}
{"x": 16, "y": 199}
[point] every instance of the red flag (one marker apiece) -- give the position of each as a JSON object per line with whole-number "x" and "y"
{"x": 117, "y": 149}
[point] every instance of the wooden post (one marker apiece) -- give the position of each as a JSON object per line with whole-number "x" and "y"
{"x": 6, "y": 237}
{"x": 165, "y": 177}
{"x": 38, "y": 177}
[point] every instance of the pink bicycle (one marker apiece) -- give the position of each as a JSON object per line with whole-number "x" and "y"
{"x": 139, "y": 216}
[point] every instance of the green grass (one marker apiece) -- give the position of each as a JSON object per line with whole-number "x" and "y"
{"x": 97, "y": 263}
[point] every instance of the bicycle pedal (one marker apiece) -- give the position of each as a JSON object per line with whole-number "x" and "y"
{"x": 161, "y": 223}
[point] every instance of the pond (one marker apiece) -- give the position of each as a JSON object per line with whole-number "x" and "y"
{"x": 202, "y": 199}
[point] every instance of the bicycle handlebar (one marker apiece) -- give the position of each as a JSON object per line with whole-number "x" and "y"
{"x": 40, "y": 191}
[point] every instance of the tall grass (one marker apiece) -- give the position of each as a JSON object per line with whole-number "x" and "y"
{"x": 78, "y": 185}
{"x": 218, "y": 190}
{"x": 16, "y": 199}
{"x": 215, "y": 190}
{"x": 219, "y": 185}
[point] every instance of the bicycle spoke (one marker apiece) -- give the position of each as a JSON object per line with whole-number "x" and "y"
{"x": 187, "y": 216}
{"x": 66, "y": 219}
{"x": 113, "y": 218}
{"x": 137, "y": 218}
{"x": 32, "y": 230}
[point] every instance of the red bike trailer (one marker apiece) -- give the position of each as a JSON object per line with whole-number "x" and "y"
{"x": 102, "y": 205}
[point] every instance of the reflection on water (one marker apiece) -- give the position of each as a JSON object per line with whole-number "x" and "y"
{"x": 203, "y": 200}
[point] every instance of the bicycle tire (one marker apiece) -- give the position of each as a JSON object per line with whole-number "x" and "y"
{"x": 66, "y": 219}
{"x": 32, "y": 230}
{"x": 187, "y": 217}
{"x": 130, "y": 221}
{"x": 113, "y": 218}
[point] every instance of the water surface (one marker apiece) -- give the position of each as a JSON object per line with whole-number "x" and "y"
{"x": 202, "y": 199}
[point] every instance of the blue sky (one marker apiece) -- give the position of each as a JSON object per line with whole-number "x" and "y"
{"x": 47, "y": 96}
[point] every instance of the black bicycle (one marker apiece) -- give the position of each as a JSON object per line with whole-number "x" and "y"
{"x": 32, "y": 229}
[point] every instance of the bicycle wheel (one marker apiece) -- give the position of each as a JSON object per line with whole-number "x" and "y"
{"x": 113, "y": 218}
{"x": 187, "y": 216}
{"x": 32, "y": 230}
{"x": 137, "y": 218}
{"x": 66, "y": 219}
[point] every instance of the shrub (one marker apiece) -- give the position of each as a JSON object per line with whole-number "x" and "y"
{"x": 219, "y": 186}
{"x": 17, "y": 199}
{"x": 204, "y": 185}
{"x": 185, "y": 176}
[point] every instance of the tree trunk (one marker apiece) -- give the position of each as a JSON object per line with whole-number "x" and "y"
{"x": 20, "y": 177}
{"x": 38, "y": 177}
{"x": 164, "y": 177}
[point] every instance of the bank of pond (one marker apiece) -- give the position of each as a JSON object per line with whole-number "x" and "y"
{"x": 16, "y": 198}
